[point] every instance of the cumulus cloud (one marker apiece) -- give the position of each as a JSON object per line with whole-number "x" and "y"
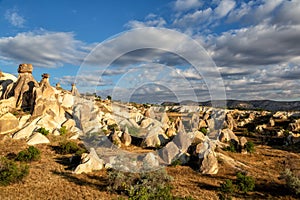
{"x": 43, "y": 48}
{"x": 14, "y": 18}
{"x": 183, "y": 5}
{"x": 224, "y": 7}
{"x": 258, "y": 45}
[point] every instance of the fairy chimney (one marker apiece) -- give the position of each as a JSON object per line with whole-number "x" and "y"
{"x": 74, "y": 90}
{"x": 23, "y": 88}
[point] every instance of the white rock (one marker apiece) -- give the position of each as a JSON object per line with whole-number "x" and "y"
{"x": 37, "y": 138}
{"x": 27, "y": 131}
{"x": 89, "y": 162}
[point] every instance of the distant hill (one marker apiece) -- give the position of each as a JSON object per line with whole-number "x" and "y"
{"x": 247, "y": 105}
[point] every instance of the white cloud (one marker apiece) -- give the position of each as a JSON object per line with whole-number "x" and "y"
{"x": 183, "y": 5}
{"x": 150, "y": 21}
{"x": 43, "y": 49}
{"x": 13, "y": 17}
{"x": 224, "y": 7}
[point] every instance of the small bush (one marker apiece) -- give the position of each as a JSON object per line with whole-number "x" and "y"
{"x": 43, "y": 131}
{"x": 249, "y": 146}
{"x": 69, "y": 147}
{"x": 244, "y": 183}
{"x": 10, "y": 172}
{"x": 226, "y": 190}
{"x": 230, "y": 148}
{"x": 113, "y": 127}
{"x": 203, "y": 130}
{"x": 63, "y": 130}
{"x": 30, "y": 154}
{"x": 145, "y": 186}
{"x": 292, "y": 181}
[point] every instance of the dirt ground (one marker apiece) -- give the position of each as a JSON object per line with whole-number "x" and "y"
{"x": 52, "y": 178}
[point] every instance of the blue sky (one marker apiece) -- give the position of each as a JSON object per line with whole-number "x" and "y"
{"x": 254, "y": 44}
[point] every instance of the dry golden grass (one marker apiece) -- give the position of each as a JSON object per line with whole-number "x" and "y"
{"x": 51, "y": 177}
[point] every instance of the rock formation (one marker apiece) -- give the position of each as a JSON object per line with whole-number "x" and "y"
{"x": 22, "y": 90}
{"x": 74, "y": 90}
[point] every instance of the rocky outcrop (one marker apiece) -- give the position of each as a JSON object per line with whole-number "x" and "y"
{"x": 8, "y": 123}
{"x": 89, "y": 162}
{"x": 74, "y": 90}
{"x": 23, "y": 88}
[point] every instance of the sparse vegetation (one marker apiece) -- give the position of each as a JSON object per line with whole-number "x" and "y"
{"x": 244, "y": 183}
{"x": 203, "y": 130}
{"x": 231, "y": 147}
{"x": 30, "y": 154}
{"x": 69, "y": 147}
{"x": 249, "y": 146}
{"x": 11, "y": 172}
{"x": 43, "y": 131}
{"x": 226, "y": 190}
{"x": 146, "y": 186}
{"x": 292, "y": 181}
{"x": 63, "y": 130}
{"x": 133, "y": 130}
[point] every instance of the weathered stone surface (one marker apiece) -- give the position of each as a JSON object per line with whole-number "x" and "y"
{"x": 155, "y": 137}
{"x": 7, "y": 105}
{"x": 150, "y": 161}
{"x": 6, "y": 83}
{"x": 198, "y": 137}
{"x": 23, "y": 88}
{"x": 37, "y": 138}
{"x": 69, "y": 124}
{"x": 74, "y": 90}
{"x": 25, "y": 68}
{"x": 115, "y": 139}
{"x": 126, "y": 137}
{"x": 209, "y": 164}
{"x": 89, "y": 162}
{"x": 243, "y": 141}
{"x": 8, "y": 123}
{"x": 227, "y": 135}
{"x": 27, "y": 131}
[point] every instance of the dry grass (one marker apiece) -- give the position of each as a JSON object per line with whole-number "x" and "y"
{"x": 52, "y": 178}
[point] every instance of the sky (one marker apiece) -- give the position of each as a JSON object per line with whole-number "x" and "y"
{"x": 253, "y": 47}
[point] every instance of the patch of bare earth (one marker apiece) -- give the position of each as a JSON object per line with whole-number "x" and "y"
{"x": 52, "y": 178}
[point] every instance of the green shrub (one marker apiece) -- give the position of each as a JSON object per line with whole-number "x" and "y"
{"x": 113, "y": 127}
{"x": 203, "y": 130}
{"x": 292, "y": 181}
{"x": 43, "y": 131}
{"x": 230, "y": 148}
{"x": 144, "y": 186}
{"x": 63, "y": 130}
{"x": 244, "y": 183}
{"x": 30, "y": 154}
{"x": 69, "y": 147}
{"x": 10, "y": 172}
{"x": 226, "y": 190}
{"x": 249, "y": 146}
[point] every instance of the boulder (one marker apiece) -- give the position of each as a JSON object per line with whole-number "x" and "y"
{"x": 198, "y": 137}
{"x": 37, "y": 138}
{"x": 150, "y": 161}
{"x": 243, "y": 141}
{"x": 126, "y": 137}
{"x": 27, "y": 131}
{"x": 7, "y": 105}
{"x": 227, "y": 135}
{"x": 209, "y": 163}
{"x": 155, "y": 138}
{"x": 89, "y": 162}
{"x": 8, "y": 123}
{"x": 115, "y": 139}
